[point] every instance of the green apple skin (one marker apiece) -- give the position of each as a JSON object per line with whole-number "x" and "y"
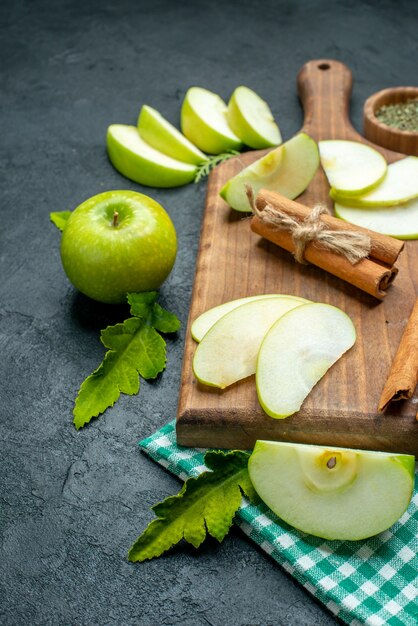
{"x": 287, "y": 169}
{"x": 204, "y": 122}
{"x": 356, "y": 496}
{"x": 249, "y": 127}
{"x": 163, "y": 136}
{"x": 138, "y": 161}
{"x": 106, "y": 261}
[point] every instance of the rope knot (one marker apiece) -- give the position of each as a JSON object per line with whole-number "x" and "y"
{"x": 353, "y": 246}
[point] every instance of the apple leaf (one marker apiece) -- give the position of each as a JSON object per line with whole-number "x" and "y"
{"x": 206, "y": 504}
{"x": 135, "y": 349}
{"x": 59, "y": 218}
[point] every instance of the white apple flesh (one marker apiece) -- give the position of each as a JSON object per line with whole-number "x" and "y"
{"x": 228, "y": 351}
{"x": 138, "y": 161}
{"x": 157, "y": 132}
{"x": 206, "y": 320}
{"x": 350, "y": 166}
{"x": 287, "y": 169}
{"x": 398, "y": 186}
{"x": 296, "y": 353}
{"x": 251, "y": 119}
{"x": 333, "y": 493}
{"x": 400, "y": 221}
{"x": 204, "y": 122}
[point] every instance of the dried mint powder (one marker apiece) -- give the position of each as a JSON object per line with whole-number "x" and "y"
{"x": 402, "y": 115}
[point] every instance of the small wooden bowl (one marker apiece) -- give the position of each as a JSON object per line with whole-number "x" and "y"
{"x": 383, "y": 135}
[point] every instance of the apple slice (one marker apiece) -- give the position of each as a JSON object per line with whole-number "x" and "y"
{"x": 296, "y": 352}
{"x": 398, "y": 186}
{"x": 139, "y": 162}
{"x": 333, "y": 493}
{"x": 204, "y": 122}
{"x": 206, "y": 320}
{"x": 163, "y": 136}
{"x": 251, "y": 119}
{"x": 287, "y": 169}
{"x": 400, "y": 221}
{"x": 228, "y": 351}
{"x": 351, "y": 167}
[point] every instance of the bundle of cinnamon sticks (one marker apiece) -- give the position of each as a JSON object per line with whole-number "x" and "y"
{"x": 373, "y": 274}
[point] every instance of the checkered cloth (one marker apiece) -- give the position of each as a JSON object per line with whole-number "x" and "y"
{"x": 373, "y": 582}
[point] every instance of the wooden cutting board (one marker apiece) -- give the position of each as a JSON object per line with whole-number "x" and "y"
{"x": 233, "y": 262}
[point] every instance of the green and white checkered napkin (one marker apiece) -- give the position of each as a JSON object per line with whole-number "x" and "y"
{"x": 373, "y": 582}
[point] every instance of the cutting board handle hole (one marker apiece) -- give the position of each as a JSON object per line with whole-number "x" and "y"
{"x": 324, "y": 66}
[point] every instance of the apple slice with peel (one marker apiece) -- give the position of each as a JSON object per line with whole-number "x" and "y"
{"x": 400, "y": 221}
{"x": 350, "y": 166}
{"x": 163, "y": 136}
{"x": 333, "y": 493}
{"x": 398, "y": 186}
{"x": 296, "y": 352}
{"x": 287, "y": 169}
{"x": 206, "y": 320}
{"x": 204, "y": 122}
{"x": 139, "y": 162}
{"x": 251, "y": 119}
{"x": 228, "y": 351}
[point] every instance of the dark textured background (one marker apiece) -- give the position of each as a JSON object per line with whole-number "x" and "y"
{"x": 73, "y": 502}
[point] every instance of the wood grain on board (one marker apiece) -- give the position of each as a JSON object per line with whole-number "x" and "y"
{"x": 233, "y": 262}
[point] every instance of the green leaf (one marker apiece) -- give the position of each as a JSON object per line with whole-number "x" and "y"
{"x": 205, "y": 168}
{"x": 59, "y": 218}
{"x": 206, "y": 504}
{"x": 134, "y": 349}
{"x": 144, "y": 305}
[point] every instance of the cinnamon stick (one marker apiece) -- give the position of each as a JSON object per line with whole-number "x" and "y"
{"x": 372, "y": 275}
{"x": 403, "y": 374}
{"x": 367, "y": 275}
{"x": 383, "y": 248}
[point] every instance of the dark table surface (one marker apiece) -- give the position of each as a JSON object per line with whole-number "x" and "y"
{"x": 71, "y": 503}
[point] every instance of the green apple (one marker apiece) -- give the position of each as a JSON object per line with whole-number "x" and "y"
{"x": 400, "y": 221}
{"x": 333, "y": 493}
{"x": 118, "y": 242}
{"x": 163, "y": 136}
{"x": 352, "y": 168}
{"x": 206, "y": 320}
{"x": 139, "y": 162}
{"x": 228, "y": 351}
{"x": 287, "y": 169}
{"x": 296, "y": 353}
{"x": 251, "y": 119}
{"x": 398, "y": 186}
{"x": 204, "y": 122}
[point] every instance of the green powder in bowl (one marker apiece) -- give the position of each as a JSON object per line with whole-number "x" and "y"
{"x": 402, "y": 115}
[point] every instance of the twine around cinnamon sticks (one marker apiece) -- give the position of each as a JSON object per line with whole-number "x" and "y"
{"x": 357, "y": 255}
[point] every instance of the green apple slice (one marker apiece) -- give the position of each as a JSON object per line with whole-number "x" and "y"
{"x": 228, "y": 351}
{"x": 204, "y": 122}
{"x": 206, "y": 320}
{"x": 251, "y": 119}
{"x": 163, "y": 136}
{"x": 332, "y": 493}
{"x": 287, "y": 169}
{"x": 296, "y": 352}
{"x": 398, "y": 186}
{"x": 400, "y": 221}
{"x": 139, "y": 162}
{"x": 351, "y": 167}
